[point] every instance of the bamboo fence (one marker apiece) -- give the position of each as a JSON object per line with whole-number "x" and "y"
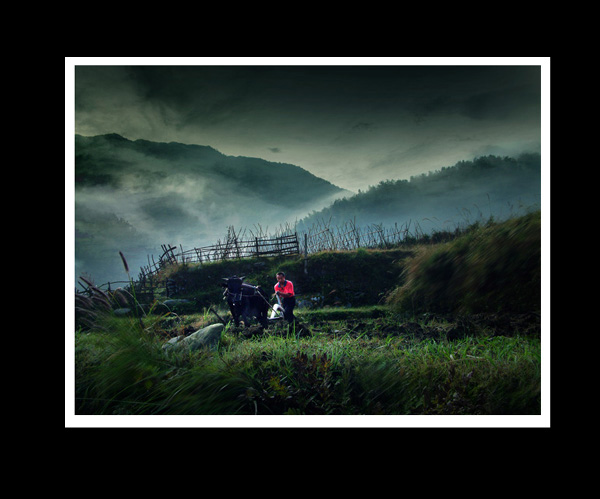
{"x": 322, "y": 236}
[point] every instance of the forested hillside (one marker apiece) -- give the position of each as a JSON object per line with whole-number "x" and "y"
{"x": 470, "y": 190}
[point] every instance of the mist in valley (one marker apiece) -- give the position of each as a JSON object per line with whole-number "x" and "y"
{"x": 134, "y": 196}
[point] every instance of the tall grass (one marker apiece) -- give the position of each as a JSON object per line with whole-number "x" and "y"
{"x": 125, "y": 371}
{"x": 120, "y": 371}
{"x": 492, "y": 268}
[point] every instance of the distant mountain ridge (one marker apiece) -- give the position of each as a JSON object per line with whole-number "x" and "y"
{"x": 487, "y": 186}
{"x": 104, "y": 159}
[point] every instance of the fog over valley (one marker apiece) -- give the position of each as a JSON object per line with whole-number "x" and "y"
{"x": 134, "y": 196}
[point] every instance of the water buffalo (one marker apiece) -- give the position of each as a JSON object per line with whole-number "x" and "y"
{"x": 245, "y": 301}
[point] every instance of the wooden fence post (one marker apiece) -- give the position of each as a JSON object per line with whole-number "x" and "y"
{"x": 306, "y": 254}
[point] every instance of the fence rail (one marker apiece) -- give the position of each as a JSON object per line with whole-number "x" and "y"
{"x": 322, "y": 236}
{"x": 232, "y": 248}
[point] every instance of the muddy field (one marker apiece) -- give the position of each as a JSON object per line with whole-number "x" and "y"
{"x": 429, "y": 326}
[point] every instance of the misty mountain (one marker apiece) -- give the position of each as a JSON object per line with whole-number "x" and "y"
{"x": 133, "y": 196}
{"x": 461, "y": 194}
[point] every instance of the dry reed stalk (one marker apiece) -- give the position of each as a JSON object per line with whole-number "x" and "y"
{"x": 88, "y": 282}
{"x": 124, "y": 262}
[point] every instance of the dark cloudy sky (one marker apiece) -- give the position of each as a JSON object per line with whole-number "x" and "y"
{"x": 352, "y": 123}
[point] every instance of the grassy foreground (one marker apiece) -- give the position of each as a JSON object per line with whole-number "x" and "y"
{"x": 455, "y": 331}
{"x": 369, "y": 366}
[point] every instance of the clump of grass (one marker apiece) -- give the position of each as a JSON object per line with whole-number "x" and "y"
{"x": 124, "y": 370}
{"x": 494, "y": 268}
{"x": 91, "y": 307}
{"x": 136, "y": 307}
{"x": 94, "y": 304}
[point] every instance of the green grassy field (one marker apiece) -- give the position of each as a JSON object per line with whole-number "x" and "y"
{"x": 444, "y": 329}
{"x": 357, "y": 366}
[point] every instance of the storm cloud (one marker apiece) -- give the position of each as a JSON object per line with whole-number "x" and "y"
{"x": 335, "y": 121}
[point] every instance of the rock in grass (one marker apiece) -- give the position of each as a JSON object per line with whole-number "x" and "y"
{"x": 207, "y": 337}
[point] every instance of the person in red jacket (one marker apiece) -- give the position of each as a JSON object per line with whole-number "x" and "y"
{"x": 285, "y": 290}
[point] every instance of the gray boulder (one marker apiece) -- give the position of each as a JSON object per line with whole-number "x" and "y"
{"x": 207, "y": 337}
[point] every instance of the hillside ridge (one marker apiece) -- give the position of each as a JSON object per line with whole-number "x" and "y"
{"x": 172, "y": 151}
{"x": 490, "y": 185}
